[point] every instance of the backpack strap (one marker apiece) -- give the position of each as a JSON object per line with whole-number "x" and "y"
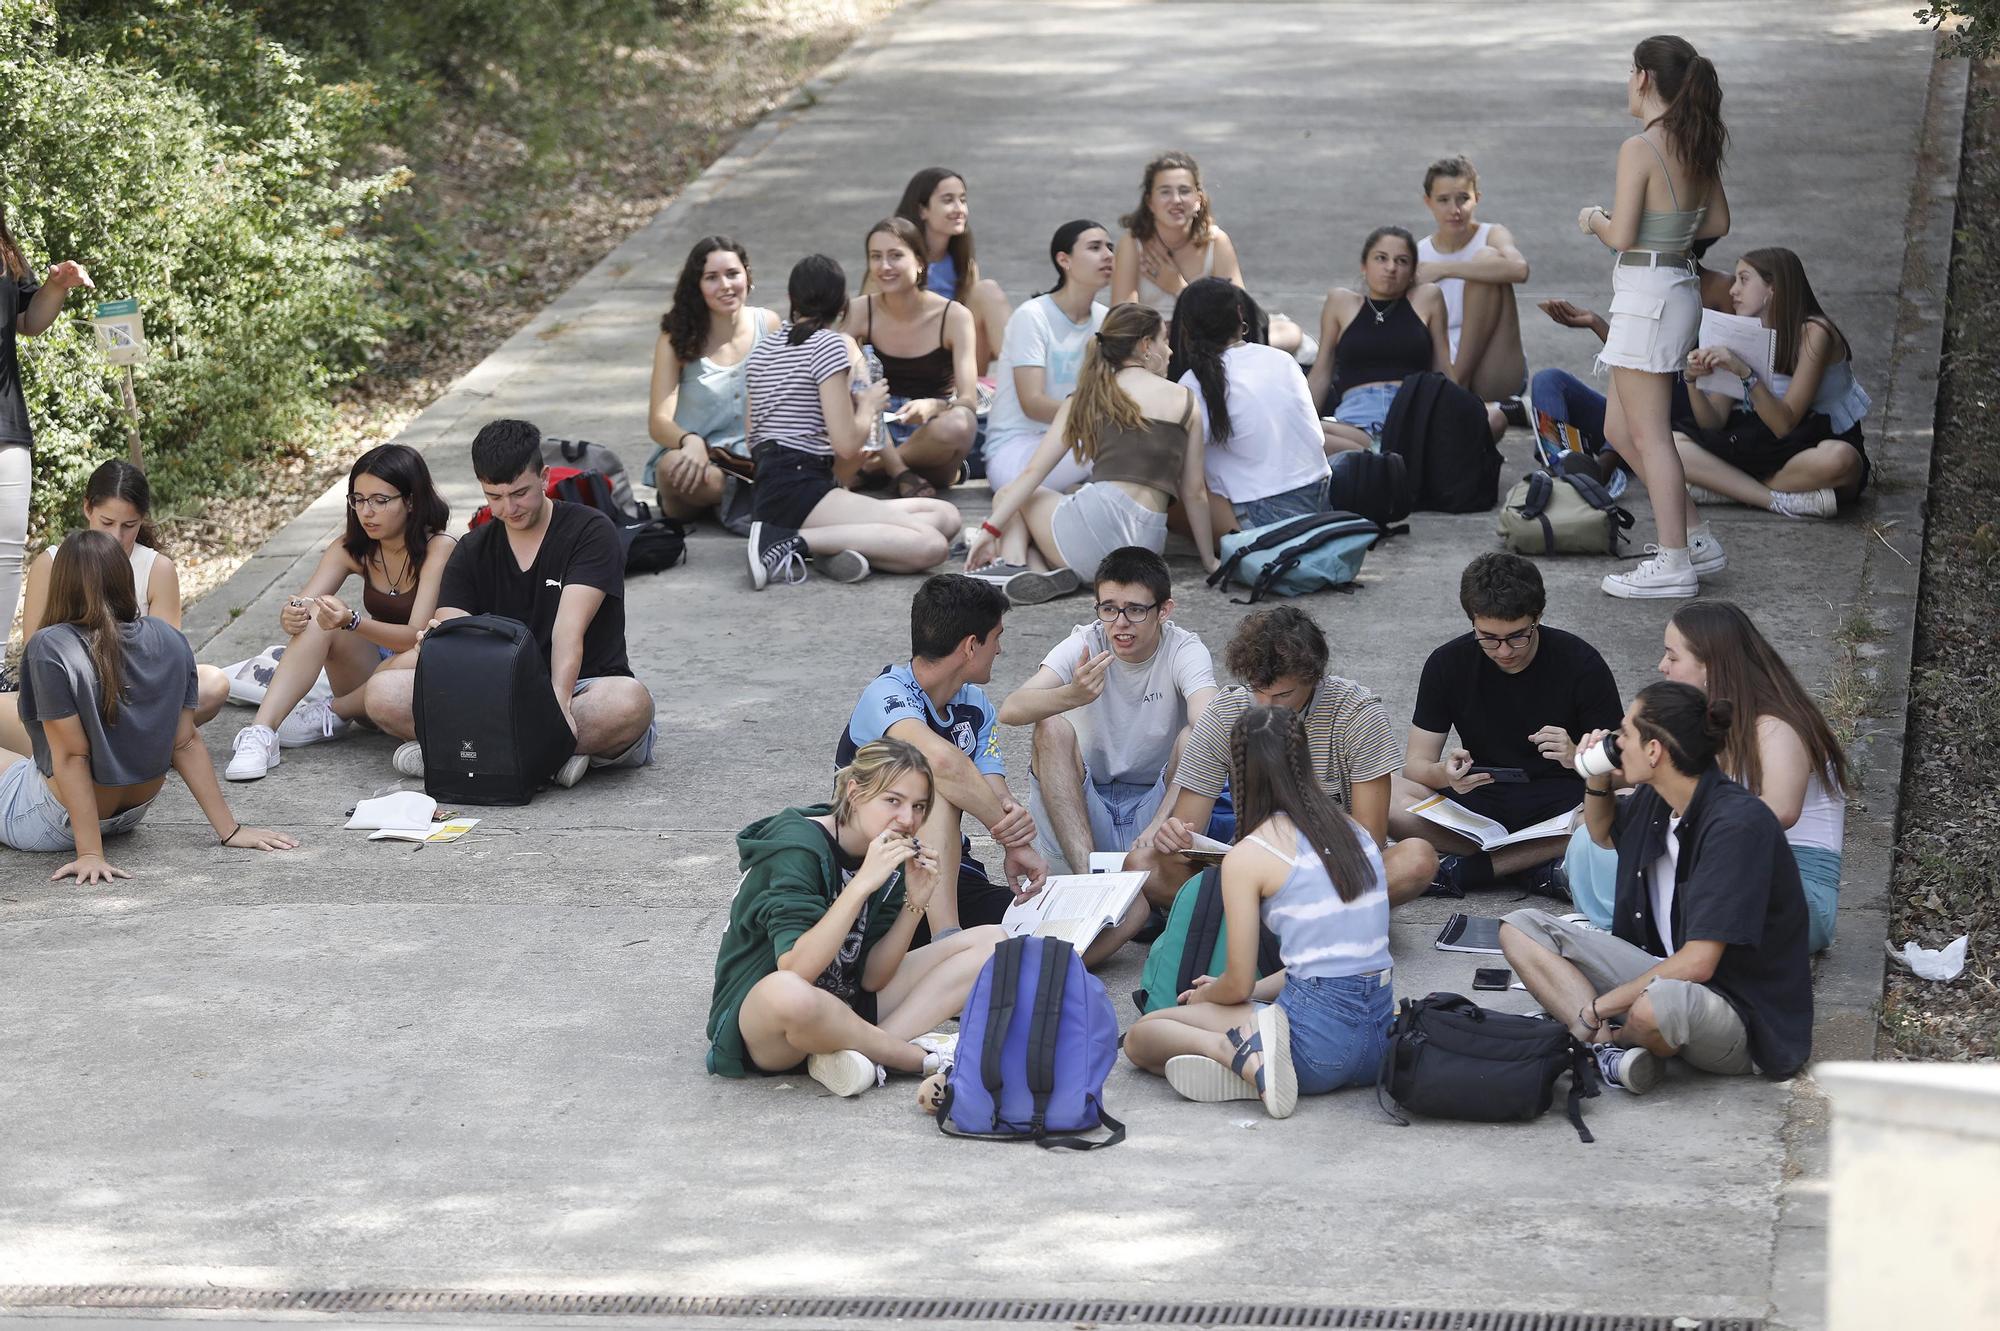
{"x": 1000, "y": 1000}
{"x": 1382, "y": 1099}
{"x": 1274, "y": 537}
{"x": 1044, "y": 1026}
{"x": 1073, "y": 1143}
{"x": 1541, "y": 490}
{"x": 1584, "y": 1084}
{"x": 1296, "y": 553}
{"x": 1204, "y": 927}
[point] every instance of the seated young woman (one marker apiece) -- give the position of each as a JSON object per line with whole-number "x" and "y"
{"x": 1171, "y": 240}
{"x": 1042, "y": 353}
{"x": 396, "y": 544}
{"x": 937, "y": 203}
{"x": 802, "y": 416}
{"x": 697, "y": 415}
{"x": 1265, "y": 456}
{"x": 925, "y": 344}
{"x": 1793, "y": 443}
{"x": 118, "y": 501}
{"x": 1476, "y": 267}
{"x": 1779, "y": 747}
{"x": 816, "y": 965}
{"x": 1394, "y": 327}
{"x": 107, "y": 702}
{"x": 1314, "y": 877}
{"x": 1142, "y": 440}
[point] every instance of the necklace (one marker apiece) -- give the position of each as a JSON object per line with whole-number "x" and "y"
{"x": 1380, "y": 313}
{"x": 382, "y": 560}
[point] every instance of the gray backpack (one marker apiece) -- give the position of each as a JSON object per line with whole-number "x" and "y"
{"x": 1550, "y": 514}
{"x": 586, "y": 456}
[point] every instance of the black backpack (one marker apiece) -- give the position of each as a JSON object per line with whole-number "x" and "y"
{"x": 490, "y": 726}
{"x": 650, "y": 543}
{"x": 1448, "y": 1057}
{"x": 1374, "y": 485}
{"x": 1441, "y": 432}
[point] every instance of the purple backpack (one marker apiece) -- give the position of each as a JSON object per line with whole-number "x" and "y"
{"x": 1036, "y": 1040}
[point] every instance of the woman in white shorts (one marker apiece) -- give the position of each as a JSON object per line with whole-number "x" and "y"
{"x": 1042, "y": 353}
{"x": 1669, "y": 194}
{"x": 1142, "y": 437}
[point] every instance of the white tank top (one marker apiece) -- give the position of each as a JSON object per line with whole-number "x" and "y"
{"x": 1822, "y": 816}
{"x": 1453, "y": 287}
{"x": 142, "y": 574}
{"x": 1150, "y": 292}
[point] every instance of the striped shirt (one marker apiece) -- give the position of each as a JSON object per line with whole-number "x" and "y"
{"x": 1319, "y": 935}
{"x": 1347, "y": 728}
{"x": 783, "y": 384}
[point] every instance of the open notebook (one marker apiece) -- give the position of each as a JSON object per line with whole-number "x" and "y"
{"x": 1469, "y": 933}
{"x": 1076, "y": 907}
{"x": 1448, "y": 813}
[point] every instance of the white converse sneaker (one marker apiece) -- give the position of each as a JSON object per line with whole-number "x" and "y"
{"x": 256, "y": 754}
{"x": 409, "y": 759}
{"x": 1705, "y": 553}
{"x": 311, "y": 722}
{"x": 572, "y": 770}
{"x": 1805, "y": 503}
{"x": 1653, "y": 579}
{"x": 847, "y": 1073}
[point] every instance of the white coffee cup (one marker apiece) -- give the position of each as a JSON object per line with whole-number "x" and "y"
{"x": 1600, "y": 759}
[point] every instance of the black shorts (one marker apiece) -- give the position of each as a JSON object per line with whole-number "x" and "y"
{"x": 1518, "y": 804}
{"x": 1760, "y": 455}
{"x": 789, "y": 484}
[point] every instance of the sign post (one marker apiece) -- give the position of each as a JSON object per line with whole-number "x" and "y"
{"x": 121, "y": 335}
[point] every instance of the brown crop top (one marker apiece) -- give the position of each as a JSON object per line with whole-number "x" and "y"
{"x": 1150, "y": 455}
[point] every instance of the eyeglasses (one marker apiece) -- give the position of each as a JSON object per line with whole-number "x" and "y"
{"x": 1134, "y": 614}
{"x": 375, "y": 502}
{"x": 1512, "y": 642}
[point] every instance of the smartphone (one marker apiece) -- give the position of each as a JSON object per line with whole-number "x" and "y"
{"x": 1492, "y": 977}
{"x": 1505, "y": 775}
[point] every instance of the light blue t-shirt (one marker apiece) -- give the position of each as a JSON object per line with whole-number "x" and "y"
{"x": 941, "y": 276}
{"x": 968, "y": 722}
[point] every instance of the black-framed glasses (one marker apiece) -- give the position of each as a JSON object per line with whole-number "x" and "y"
{"x": 1512, "y": 641}
{"x": 1133, "y": 612}
{"x": 376, "y": 502}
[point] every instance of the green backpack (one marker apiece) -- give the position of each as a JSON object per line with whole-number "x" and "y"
{"x": 1559, "y": 514}
{"x": 1194, "y": 943}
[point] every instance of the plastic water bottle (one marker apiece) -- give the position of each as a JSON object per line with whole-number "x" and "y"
{"x": 871, "y": 370}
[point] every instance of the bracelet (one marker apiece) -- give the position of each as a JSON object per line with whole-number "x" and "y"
{"x": 353, "y": 620}
{"x": 1595, "y": 1020}
{"x": 1601, "y": 794}
{"x": 990, "y": 529}
{"x": 232, "y": 832}
{"x": 1750, "y": 381}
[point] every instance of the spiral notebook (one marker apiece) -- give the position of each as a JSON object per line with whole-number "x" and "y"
{"x": 1470, "y": 933}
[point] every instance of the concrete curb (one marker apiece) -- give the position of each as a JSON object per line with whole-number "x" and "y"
{"x": 1847, "y": 989}
{"x": 290, "y": 553}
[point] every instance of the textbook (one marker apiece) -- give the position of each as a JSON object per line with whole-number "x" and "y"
{"x": 1469, "y": 933}
{"x": 1075, "y": 907}
{"x": 1489, "y": 835}
{"x": 1748, "y": 338}
{"x": 1206, "y": 849}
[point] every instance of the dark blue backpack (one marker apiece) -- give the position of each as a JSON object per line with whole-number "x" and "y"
{"x": 1036, "y": 1041}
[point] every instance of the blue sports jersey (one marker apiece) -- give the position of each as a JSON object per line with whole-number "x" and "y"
{"x": 969, "y": 722}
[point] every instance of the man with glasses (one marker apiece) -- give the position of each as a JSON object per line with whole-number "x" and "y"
{"x": 1110, "y": 706}
{"x": 1517, "y": 693}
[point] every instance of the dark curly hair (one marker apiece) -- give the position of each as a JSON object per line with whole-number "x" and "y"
{"x": 1280, "y": 643}
{"x": 1501, "y": 585}
{"x": 686, "y": 321}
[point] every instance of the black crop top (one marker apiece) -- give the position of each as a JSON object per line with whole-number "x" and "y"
{"x": 913, "y": 377}
{"x": 1381, "y": 344}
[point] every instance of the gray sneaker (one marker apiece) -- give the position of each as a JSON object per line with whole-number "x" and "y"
{"x": 1634, "y": 1071}
{"x": 409, "y": 759}
{"x": 1030, "y": 588}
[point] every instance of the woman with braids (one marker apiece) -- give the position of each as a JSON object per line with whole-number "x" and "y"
{"x": 1313, "y": 877}
{"x": 1668, "y": 195}
{"x": 1141, "y": 438}
{"x": 107, "y": 700}
{"x": 816, "y": 965}
{"x": 706, "y": 336}
{"x": 937, "y": 204}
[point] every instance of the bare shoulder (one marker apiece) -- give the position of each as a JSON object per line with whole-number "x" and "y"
{"x": 1427, "y": 298}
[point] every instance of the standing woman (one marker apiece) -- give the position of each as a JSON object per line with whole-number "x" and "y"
{"x": 706, "y": 335}
{"x": 107, "y": 698}
{"x": 396, "y": 544}
{"x": 935, "y": 201}
{"x": 1669, "y": 195}
{"x": 26, "y": 306}
{"x": 925, "y": 343}
{"x": 1141, "y": 437}
{"x": 1043, "y": 352}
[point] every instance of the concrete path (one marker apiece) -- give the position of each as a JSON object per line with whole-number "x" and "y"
{"x": 479, "y": 1066}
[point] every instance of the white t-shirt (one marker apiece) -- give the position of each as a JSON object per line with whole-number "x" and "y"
{"x": 1127, "y": 735}
{"x": 1453, "y": 288}
{"x": 1038, "y": 333}
{"x": 1663, "y": 883}
{"x": 1275, "y": 443}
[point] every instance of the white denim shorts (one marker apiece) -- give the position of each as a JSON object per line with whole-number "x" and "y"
{"x": 1655, "y": 318}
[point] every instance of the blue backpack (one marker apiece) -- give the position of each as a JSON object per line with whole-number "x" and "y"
{"x": 1036, "y": 1041}
{"x": 1297, "y": 555}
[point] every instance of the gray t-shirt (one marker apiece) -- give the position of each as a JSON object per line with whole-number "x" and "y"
{"x": 1127, "y": 735}
{"x": 59, "y": 679}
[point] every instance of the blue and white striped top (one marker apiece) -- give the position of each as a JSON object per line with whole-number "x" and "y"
{"x": 1319, "y": 935}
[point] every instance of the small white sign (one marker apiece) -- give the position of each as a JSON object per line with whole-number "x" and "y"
{"x": 121, "y": 334}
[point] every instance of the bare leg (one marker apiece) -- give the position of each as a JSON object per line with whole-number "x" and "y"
{"x": 1831, "y": 464}
{"x": 386, "y": 701}
{"x": 1559, "y": 987}
{"x": 1525, "y": 855}
{"x": 1058, "y": 768}
{"x": 1490, "y": 361}
{"x": 1165, "y": 873}
{"x": 212, "y": 692}
{"x": 1642, "y": 1030}
{"x": 1344, "y": 438}
{"x": 347, "y": 658}
{"x": 892, "y": 536}
{"x": 611, "y": 715}
{"x": 1710, "y": 472}
{"x": 1411, "y": 867}
{"x": 940, "y": 832}
{"x": 13, "y": 735}
{"x": 933, "y": 981}
{"x": 935, "y": 451}
{"x": 784, "y": 1019}
{"x": 1198, "y": 1028}
{"x": 990, "y": 309}
{"x": 1636, "y": 416}
{"x": 1039, "y": 514}
{"x": 695, "y": 500}
{"x": 1285, "y": 335}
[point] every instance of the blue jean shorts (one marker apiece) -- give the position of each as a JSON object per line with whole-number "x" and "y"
{"x": 1340, "y": 1026}
{"x": 33, "y": 818}
{"x": 1366, "y": 408}
{"x": 640, "y": 754}
{"x": 1118, "y": 812}
{"x": 1307, "y": 499}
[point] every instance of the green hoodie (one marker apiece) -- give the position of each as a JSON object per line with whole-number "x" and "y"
{"x": 790, "y": 880}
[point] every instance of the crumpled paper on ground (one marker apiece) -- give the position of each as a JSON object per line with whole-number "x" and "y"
{"x": 1931, "y": 963}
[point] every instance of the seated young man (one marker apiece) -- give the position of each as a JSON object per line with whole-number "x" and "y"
{"x": 1476, "y": 266}
{"x": 1706, "y": 957}
{"x": 1518, "y": 693}
{"x": 1110, "y": 706}
{"x": 935, "y": 702}
{"x": 557, "y": 568}
{"x": 1281, "y": 657}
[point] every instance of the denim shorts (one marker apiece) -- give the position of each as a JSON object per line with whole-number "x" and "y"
{"x": 1118, "y": 811}
{"x": 32, "y": 818}
{"x": 1365, "y": 408}
{"x": 1307, "y": 499}
{"x": 1340, "y": 1026}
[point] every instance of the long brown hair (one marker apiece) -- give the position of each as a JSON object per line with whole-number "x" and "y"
{"x": 686, "y": 321}
{"x": 1745, "y": 670}
{"x": 1271, "y": 771}
{"x": 11, "y": 262}
{"x": 1140, "y": 220}
{"x": 1099, "y": 405}
{"x": 1793, "y": 305}
{"x": 119, "y": 479}
{"x": 916, "y": 198}
{"x": 1686, "y": 82}
{"x": 912, "y": 237}
{"x": 91, "y": 586}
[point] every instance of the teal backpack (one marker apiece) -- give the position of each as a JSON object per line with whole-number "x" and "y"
{"x": 1194, "y": 943}
{"x": 1298, "y": 555}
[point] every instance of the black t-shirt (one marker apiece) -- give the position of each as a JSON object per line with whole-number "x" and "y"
{"x": 15, "y": 293}
{"x": 580, "y": 548}
{"x": 842, "y": 976}
{"x": 1567, "y": 685}
{"x": 1735, "y": 883}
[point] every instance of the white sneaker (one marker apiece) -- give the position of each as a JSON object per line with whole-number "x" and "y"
{"x": 572, "y": 770}
{"x": 311, "y": 722}
{"x": 847, "y": 1073}
{"x": 1705, "y": 553}
{"x": 256, "y": 754}
{"x": 843, "y": 566}
{"x": 1701, "y": 494}
{"x": 1805, "y": 503}
{"x": 409, "y": 759}
{"x": 1652, "y": 580}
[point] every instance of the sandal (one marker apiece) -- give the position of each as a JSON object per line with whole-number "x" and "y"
{"x": 910, "y": 485}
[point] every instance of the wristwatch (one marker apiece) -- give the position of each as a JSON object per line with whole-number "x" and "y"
{"x": 1749, "y": 382}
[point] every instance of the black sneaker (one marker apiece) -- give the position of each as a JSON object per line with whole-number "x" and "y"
{"x": 1634, "y": 1071}
{"x": 1447, "y": 882}
{"x": 1544, "y": 880}
{"x": 1515, "y": 410}
{"x": 776, "y": 552}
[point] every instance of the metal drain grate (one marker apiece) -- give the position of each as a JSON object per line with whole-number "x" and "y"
{"x": 1102, "y": 1312}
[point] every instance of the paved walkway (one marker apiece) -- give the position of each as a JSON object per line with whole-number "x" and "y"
{"x": 479, "y": 1066}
